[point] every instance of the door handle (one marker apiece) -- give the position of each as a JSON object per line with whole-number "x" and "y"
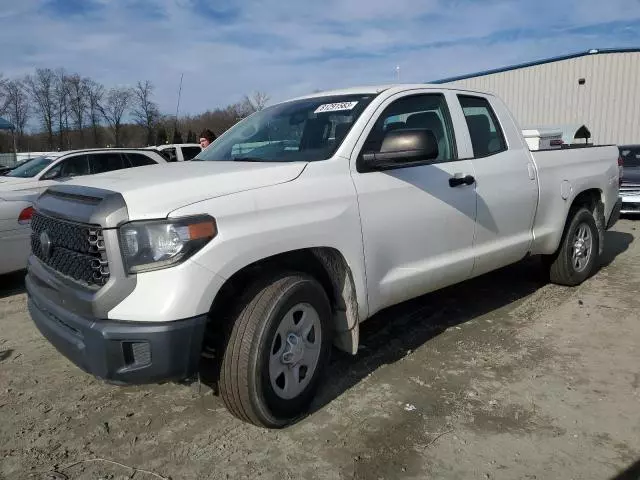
{"x": 457, "y": 181}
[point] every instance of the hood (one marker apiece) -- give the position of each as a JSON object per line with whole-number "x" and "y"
{"x": 26, "y": 195}
{"x": 156, "y": 190}
{"x": 15, "y": 183}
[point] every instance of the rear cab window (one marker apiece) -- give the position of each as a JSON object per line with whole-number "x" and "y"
{"x": 486, "y": 135}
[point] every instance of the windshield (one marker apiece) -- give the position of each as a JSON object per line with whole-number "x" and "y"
{"x": 301, "y": 130}
{"x": 31, "y": 168}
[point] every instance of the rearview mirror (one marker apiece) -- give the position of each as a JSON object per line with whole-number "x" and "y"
{"x": 402, "y": 148}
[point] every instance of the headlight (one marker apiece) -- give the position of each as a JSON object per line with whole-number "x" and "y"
{"x": 156, "y": 244}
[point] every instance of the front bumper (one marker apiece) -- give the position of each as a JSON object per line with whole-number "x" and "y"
{"x": 630, "y": 204}
{"x": 117, "y": 351}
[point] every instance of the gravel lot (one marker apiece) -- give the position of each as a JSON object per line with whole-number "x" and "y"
{"x": 503, "y": 377}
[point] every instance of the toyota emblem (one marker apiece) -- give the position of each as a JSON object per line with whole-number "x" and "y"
{"x": 45, "y": 245}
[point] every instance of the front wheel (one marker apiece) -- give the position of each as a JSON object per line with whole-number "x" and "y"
{"x": 577, "y": 255}
{"x": 277, "y": 351}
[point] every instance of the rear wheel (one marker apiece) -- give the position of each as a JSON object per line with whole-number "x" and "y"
{"x": 577, "y": 255}
{"x": 277, "y": 350}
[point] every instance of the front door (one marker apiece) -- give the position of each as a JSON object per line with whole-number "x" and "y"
{"x": 417, "y": 229}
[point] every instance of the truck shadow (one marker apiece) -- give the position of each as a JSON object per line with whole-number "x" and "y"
{"x": 397, "y": 331}
{"x": 615, "y": 243}
{"x": 12, "y": 284}
{"x": 630, "y": 473}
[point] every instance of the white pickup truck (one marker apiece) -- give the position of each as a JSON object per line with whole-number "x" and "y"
{"x": 340, "y": 204}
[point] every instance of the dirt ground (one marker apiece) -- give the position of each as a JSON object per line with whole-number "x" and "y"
{"x": 502, "y": 377}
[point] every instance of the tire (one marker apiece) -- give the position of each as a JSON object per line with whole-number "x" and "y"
{"x": 568, "y": 266}
{"x": 261, "y": 344}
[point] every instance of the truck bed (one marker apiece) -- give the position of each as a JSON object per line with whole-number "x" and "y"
{"x": 562, "y": 172}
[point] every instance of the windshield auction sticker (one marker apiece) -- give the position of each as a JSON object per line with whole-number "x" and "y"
{"x": 335, "y": 107}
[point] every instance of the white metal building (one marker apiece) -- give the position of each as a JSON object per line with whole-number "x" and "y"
{"x": 598, "y": 88}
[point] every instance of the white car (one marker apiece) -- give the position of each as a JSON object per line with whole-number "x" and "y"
{"x": 42, "y": 172}
{"x": 24, "y": 183}
{"x": 296, "y": 225}
{"x": 178, "y": 152}
{"x": 16, "y": 209}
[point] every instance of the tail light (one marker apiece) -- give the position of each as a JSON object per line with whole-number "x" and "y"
{"x": 620, "y": 170}
{"x": 25, "y": 216}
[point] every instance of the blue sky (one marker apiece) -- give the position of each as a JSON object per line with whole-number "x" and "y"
{"x": 289, "y": 47}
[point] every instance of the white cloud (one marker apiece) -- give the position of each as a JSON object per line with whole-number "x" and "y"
{"x": 289, "y": 48}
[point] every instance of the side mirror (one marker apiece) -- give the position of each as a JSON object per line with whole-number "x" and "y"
{"x": 402, "y": 148}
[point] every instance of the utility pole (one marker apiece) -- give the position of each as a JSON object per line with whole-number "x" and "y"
{"x": 175, "y": 126}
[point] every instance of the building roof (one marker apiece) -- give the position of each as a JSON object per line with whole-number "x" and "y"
{"x": 594, "y": 51}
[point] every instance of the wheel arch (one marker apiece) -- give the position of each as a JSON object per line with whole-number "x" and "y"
{"x": 326, "y": 264}
{"x": 591, "y": 199}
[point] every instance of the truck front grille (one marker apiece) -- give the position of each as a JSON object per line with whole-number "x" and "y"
{"x": 75, "y": 250}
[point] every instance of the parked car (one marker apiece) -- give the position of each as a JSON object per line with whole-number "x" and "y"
{"x": 340, "y": 204}
{"x": 16, "y": 209}
{"x": 178, "y": 152}
{"x": 33, "y": 177}
{"x": 41, "y": 172}
{"x": 630, "y": 188}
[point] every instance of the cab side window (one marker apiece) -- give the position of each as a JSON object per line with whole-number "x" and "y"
{"x": 105, "y": 162}
{"x": 139, "y": 160}
{"x": 190, "y": 152}
{"x": 74, "y": 166}
{"x": 486, "y": 136}
{"x": 170, "y": 154}
{"x": 428, "y": 111}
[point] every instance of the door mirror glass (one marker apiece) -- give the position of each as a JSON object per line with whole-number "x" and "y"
{"x": 402, "y": 148}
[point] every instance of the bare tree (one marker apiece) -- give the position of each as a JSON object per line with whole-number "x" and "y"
{"x": 249, "y": 104}
{"x": 61, "y": 95}
{"x": 41, "y": 88}
{"x": 145, "y": 111}
{"x": 114, "y": 108}
{"x": 17, "y": 105}
{"x": 95, "y": 94}
{"x": 77, "y": 91}
{"x": 258, "y": 100}
{"x": 3, "y": 95}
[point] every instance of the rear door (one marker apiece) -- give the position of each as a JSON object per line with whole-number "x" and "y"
{"x": 417, "y": 228}
{"x": 506, "y": 183}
